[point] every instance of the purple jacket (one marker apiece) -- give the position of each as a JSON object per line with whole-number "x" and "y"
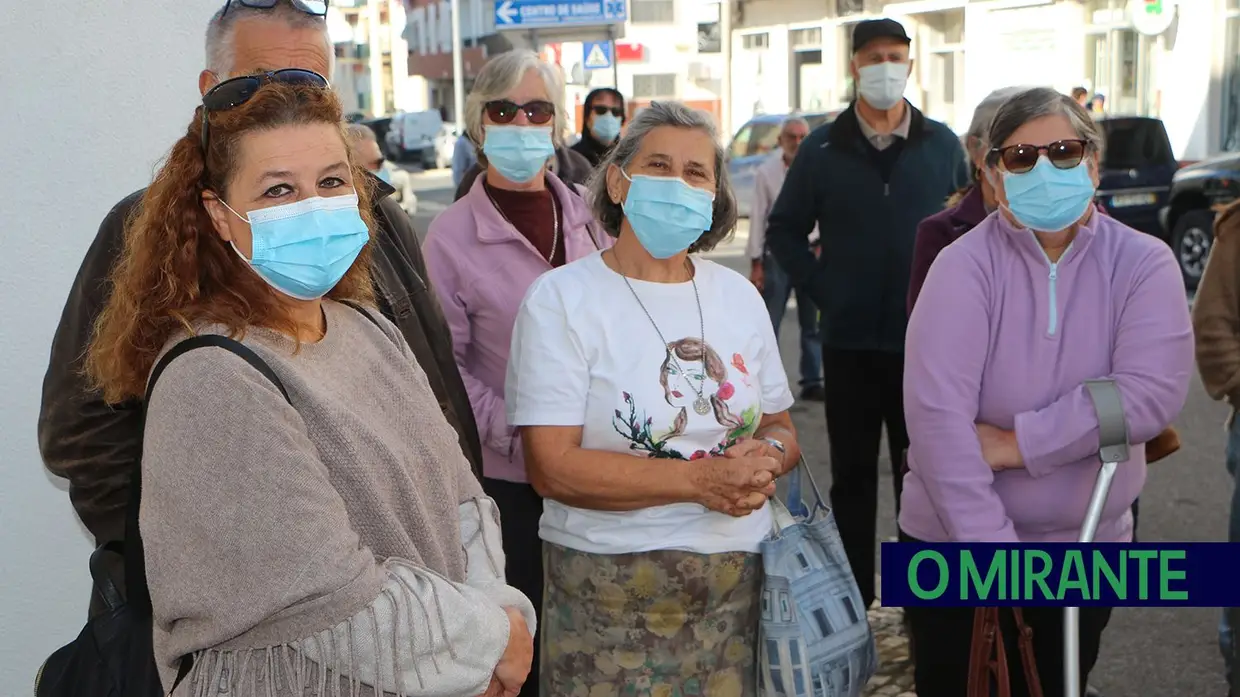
{"x": 1001, "y": 336}
{"x": 938, "y": 231}
{"x": 480, "y": 267}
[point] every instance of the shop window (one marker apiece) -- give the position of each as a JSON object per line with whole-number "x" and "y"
{"x": 661, "y": 86}
{"x": 653, "y": 11}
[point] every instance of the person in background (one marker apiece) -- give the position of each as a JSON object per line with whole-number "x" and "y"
{"x": 1099, "y": 105}
{"x": 95, "y": 444}
{"x": 571, "y": 167}
{"x": 464, "y": 158}
{"x": 515, "y": 223}
{"x": 600, "y": 128}
{"x": 1031, "y": 291}
{"x": 1081, "y": 95}
{"x": 1216, "y": 324}
{"x": 654, "y": 428}
{"x": 866, "y": 180}
{"x": 334, "y": 505}
{"x": 767, "y": 274}
{"x": 365, "y": 146}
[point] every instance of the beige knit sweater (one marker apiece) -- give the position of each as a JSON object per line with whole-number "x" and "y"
{"x": 328, "y": 547}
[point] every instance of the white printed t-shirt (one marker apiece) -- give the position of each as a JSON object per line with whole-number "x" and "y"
{"x": 585, "y": 354}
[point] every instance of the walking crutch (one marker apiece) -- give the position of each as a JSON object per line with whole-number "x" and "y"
{"x": 1112, "y": 450}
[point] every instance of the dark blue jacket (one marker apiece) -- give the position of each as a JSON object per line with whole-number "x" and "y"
{"x": 867, "y": 213}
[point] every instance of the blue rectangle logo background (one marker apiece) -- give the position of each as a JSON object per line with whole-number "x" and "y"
{"x": 1195, "y": 574}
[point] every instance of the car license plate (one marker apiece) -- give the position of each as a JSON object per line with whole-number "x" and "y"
{"x": 1126, "y": 200}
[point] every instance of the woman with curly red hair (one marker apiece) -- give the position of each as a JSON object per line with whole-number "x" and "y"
{"x": 308, "y": 517}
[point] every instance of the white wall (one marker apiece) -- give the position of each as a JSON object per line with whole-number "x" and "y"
{"x": 92, "y": 97}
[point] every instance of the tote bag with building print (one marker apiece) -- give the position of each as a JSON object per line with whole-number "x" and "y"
{"x": 816, "y": 639}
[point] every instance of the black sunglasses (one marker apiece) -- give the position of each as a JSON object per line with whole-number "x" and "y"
{"x": 1021, "y": 158}
{"x": 317, "y": 8}
{"x": 600, "y": 110}
{"x": 236, "y": 91}
{"x": 503, "y": 111}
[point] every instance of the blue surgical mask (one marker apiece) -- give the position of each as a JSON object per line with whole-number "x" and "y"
{"x": 882, "y": 84}
{"x": 303, "y": 249}
{"x": 519, "y": 153}
{"x": 666, "y": 214}
{"x": 384, "y": 174}
{"x": 606, "y": 127}
{"x": 1047, "y": 198}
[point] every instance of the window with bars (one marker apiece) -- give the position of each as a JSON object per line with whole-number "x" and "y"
{"x": 808, "y": 37}
{"x": 758, "y": 41}
{"x": 653, "y": 11}
{"x": 661, "y": 86}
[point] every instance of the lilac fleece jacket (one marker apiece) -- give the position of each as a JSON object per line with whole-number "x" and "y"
{"x": 999, "y": 335}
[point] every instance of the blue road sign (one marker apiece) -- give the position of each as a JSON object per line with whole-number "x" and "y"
{"x": 596, "y": 55}
{"x": 537, "y": 14}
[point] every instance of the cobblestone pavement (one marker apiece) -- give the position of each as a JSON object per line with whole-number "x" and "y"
{"x": 895, "y": 668}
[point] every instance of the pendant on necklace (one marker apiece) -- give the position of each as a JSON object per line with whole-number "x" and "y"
{"x": 701, "y": 405}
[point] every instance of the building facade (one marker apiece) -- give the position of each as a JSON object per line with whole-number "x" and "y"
{"x": 372, "y": 66}
{"x": 1169, "y": 59}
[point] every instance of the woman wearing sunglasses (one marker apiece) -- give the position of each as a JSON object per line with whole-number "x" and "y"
{"x": 1041, "y": 296}
{"x": 310, "y": 523}
{"x": 603, "y": 117}
{"x": 517, "y": 222}
{"x": 655, "y": 424}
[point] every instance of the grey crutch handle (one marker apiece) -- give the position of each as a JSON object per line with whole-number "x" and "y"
{"x": 1112, "y": 449}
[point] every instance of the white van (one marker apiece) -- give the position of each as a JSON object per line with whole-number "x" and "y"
{"x": 412, "y": 136}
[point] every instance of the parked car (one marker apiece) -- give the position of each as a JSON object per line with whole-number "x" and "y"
{"x": 1137, "y": 166}
{"x": 751, "y": 145}
{"x": 411, "y": 136}
{"x": 380, "y": 126}
{"x": 1197, "y": 192}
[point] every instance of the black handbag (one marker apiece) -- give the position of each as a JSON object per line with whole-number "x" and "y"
{"x": 113, "y": 655}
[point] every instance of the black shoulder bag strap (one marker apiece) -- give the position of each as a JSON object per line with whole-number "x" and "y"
{"x": 137, "y": 593}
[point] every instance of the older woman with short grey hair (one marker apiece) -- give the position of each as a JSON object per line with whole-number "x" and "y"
{"x": 516, "y": 223}
{"x": 653, "y": 407}
{"x": 1014, "y": 318}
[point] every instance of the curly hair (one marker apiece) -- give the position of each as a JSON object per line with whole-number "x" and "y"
{"x": 175, "y": 273}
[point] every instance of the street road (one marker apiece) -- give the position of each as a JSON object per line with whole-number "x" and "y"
{"x": 1147, "y": 651}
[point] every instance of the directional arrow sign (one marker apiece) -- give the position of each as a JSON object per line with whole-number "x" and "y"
{"x": 537, "y": 14}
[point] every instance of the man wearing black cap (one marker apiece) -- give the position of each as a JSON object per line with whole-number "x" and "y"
{"x": 865, "y": 180}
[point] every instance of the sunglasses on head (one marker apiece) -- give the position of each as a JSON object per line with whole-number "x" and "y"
{"x": 503, "y": 111}
{"x": 1021, "y": 158}
{"x": 317, "y": 8}
{"x": 600, "y": 110}
{"x": 236, "y": 91}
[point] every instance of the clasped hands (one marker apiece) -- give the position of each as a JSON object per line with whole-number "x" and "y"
{"x": 741, "y": 481}
{"x": 999, "y": 447}
{"x": 514, "y": 665}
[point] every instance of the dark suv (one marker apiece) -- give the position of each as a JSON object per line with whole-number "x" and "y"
{"x": 1197, "y": 192}
{"x": 1137, "y": 167}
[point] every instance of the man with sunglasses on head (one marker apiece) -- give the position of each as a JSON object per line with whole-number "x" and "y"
{"x": 865, "y": 180}
{"x": 96, "y": 445}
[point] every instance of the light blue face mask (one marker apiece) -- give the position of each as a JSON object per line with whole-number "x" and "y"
{"x": 667, "y": 214}
{"x": 303, "y": 249}
{"x": 606, "y": 128}
{"x": 519, "y": 153}
{"x": 1046, "y": 198}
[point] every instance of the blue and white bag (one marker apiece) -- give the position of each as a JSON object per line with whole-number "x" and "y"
{"x": 816, "y": 639}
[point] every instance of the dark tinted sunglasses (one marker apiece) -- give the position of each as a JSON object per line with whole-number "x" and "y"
{"x": 236, "y": 91}
{"x": 317, "y": 8}
{"x": 600, "y": 110}
{"x": 503, "y": 111}
{"x": 1020, "y": 158}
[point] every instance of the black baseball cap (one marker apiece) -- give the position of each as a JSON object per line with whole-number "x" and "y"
{"x": 870, "y": 29}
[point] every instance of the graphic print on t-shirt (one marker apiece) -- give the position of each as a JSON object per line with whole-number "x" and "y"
{"x": 691, "y": 373}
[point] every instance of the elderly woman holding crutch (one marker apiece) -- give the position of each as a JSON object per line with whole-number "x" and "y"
{"x": 1044, "y": 296}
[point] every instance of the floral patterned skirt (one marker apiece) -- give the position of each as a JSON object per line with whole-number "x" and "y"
{"x": 652, "y": 624}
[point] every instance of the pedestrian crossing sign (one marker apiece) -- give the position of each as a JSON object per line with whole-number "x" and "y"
{"x": 597, "y": 55}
